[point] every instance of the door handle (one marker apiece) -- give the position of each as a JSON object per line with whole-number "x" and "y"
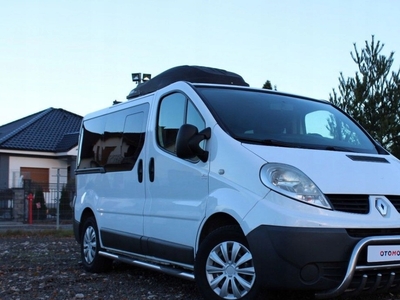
{"x": 140, "y": 170}
{"x": 151, "y": 169}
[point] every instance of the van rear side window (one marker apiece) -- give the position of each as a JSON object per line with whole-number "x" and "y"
{"x": 114, "y": 141}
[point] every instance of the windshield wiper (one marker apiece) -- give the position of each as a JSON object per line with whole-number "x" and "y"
{"x": 269, "y": 142}
{"x": 336, "y": 148}
{"x": 272, "y": 142}
{"x": 278, "y": 143}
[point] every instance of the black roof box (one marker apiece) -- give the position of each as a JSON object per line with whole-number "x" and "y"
{"x": 195, "y": 74}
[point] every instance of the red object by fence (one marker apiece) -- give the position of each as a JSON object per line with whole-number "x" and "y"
{"x": 30, "y": 208}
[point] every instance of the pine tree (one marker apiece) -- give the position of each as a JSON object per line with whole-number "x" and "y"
{"x": 372, "y": 96}
{"x": 65, "y": 208}
{"x": 268, "y": 86}
{"x": 39, "y": 211}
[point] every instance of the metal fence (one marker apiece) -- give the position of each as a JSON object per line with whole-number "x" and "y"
{"x": 48, "y": 203}
{"x": 58, "y": 204}
{"x": 6, "y": 204}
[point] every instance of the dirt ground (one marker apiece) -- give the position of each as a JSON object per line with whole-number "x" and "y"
{"x": 46, "y": 265}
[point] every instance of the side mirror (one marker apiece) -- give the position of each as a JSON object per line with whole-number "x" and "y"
{"x": 188, "y": 140}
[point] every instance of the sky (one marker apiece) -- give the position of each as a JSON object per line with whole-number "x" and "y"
{"x": 79, "y": 55}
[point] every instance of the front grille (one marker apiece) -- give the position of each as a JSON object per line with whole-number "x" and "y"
{"x": 334, "y": 272}
{"x": 395, "y": 201}
{"x": 364, "y": 232}
{"x": 357, "y": 204}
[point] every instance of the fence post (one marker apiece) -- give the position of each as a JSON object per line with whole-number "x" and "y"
{"x": 30, "y": 203}
{"x": 58, "y": 199}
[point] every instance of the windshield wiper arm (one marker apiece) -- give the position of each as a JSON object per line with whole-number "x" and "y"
{"x": 336, "y": 148}
{"x": 278, "y": 143}
{"x": 268, "y": 142}
{"x": 272, "y": 142}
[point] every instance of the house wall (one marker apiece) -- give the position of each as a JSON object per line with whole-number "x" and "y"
{"x": 16, "y": 162}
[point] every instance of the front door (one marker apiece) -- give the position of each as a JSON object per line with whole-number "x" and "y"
{"x": 176, "y": 189}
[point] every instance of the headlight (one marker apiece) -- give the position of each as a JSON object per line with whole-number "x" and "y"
{"x": 291, "y": 182}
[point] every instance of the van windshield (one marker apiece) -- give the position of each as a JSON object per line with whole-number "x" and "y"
{"x": 266, "y": 118}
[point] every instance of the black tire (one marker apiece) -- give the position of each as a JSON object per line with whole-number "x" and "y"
{"x": 224, "y": 267}
{"x": 90, "y": 247}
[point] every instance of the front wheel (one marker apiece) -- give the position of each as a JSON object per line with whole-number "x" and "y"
{"x": 224, "y": 267}
{"x": 90, "y": 246}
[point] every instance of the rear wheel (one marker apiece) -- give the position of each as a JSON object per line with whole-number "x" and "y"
{"x": 224, "y": 267}
{"x": 90, "y": 246}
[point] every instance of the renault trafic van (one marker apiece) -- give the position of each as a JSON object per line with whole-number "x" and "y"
{"x": 202, "y": 177}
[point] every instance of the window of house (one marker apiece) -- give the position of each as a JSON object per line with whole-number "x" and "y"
{"x": 38, "y": 177}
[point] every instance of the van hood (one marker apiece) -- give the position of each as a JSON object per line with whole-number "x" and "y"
{"x": 337, "y": 172}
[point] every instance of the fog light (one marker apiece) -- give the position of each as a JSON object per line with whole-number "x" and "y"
{"x": 310, "y": 273}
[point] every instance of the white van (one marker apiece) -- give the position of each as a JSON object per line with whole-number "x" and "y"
{"x": 237, "y": 188}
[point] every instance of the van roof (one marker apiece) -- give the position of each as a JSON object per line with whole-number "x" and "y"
{"x": 194, "y": 74}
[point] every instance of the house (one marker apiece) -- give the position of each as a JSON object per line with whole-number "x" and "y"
{"x": 40, "y": 148}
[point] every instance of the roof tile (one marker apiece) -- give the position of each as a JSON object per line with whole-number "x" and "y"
{"x": 53, "y": 130}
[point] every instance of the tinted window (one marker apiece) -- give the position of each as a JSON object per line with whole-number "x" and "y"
{"x": 269, "y": 118}
{"x": 113, "y": 141}
{"x": 175, "y": 110}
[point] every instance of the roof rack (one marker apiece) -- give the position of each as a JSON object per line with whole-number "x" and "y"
{"x": 194, "y": 74}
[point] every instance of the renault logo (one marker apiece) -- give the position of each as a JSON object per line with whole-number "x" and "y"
{"x": 381, "y": 206}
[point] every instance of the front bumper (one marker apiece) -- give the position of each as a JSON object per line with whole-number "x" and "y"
{"x": 327, "y": 260}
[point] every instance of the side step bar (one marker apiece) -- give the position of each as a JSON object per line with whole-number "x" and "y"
{"x": 163, "y": 269}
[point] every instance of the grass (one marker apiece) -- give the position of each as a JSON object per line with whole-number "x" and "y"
{"x": 60, "y": 233}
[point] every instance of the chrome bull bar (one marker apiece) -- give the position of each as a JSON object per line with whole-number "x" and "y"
{"x": 353, "y": 268}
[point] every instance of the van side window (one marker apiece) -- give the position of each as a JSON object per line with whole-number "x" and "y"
{"x": 113, "y": 141}
{"x": 175, "y": 110}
